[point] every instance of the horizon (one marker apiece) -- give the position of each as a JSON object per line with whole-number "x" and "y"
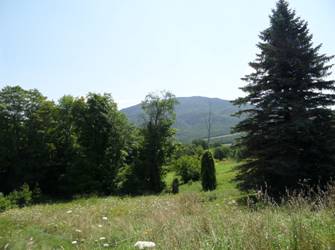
{"x": 130, "y": 49}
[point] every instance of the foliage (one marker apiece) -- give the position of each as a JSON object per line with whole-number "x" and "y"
{"x": 200, "y": 142}
{"x": 288, "y": 134}
{"x": 237, "y": 152}
{"x": 5, "y": 203}
{"x": 127, "y": 181}
{"x": 187, "y": 149}
{"x": 188, "y": 168}
{"x": 103, "y": 138}
{"x": 221, "y": 152}
{"x": 27, "y": 150}
{"x": 208, "y": 173}
{"x": 76, "y": 146}
{"x": 175, "y": 186}
{"x": 21, "y": 197}
{"x": 18, "y": 198}
{"x": 158, "y": 138}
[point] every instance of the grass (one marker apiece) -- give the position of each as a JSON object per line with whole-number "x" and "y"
{"x": 189, "y": 220}
{"x": 225, "y": 174}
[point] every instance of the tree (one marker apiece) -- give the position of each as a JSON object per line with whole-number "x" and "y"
{"x": 102, "y": 144}
{"x": 77, "y": 146}
{"x": 158, "y": 134}
{"x": 27, "y": 132}
{"x": 175, "y": 186}
{"x": 208, "y": 175}
{"x": 288, "y": 134}
{"x": 66, "y": 145}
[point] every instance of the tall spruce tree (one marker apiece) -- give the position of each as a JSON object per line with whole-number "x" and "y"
{"x": 288, "y": 132}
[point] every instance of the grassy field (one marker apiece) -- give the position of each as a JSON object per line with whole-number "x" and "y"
{"x": 189, "y": 220}
{"x": 225, "y": 174}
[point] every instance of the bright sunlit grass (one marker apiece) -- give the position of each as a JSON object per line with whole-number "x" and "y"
{"x": 189, "y": 220}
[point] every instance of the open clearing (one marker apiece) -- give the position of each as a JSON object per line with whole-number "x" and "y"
{"x": 189, "y": 220}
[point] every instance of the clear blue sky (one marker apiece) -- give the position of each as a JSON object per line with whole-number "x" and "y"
{"x": 131, "y": 47}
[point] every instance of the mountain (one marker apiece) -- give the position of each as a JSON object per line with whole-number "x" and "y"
{"x": 192, "y": 115}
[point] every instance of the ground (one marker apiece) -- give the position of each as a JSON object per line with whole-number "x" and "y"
{"x": 189, "y": 220}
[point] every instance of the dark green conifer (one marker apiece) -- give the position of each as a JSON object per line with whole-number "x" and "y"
{"x": 175, "y": 186}
{"x": 288, "y": 132}
{"x": 208, "y": 177}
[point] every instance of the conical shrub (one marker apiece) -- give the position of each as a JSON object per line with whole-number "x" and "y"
{"x": 208, "y": 177}
{"x": 175, "y": 186}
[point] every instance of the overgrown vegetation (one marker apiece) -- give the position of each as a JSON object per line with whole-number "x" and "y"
{"x": 182, "y": 221}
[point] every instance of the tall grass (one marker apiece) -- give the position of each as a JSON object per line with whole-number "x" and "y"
{"x": 185, "y": 221}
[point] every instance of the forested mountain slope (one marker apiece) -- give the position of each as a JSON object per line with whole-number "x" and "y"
{"x": 192, "y": 117}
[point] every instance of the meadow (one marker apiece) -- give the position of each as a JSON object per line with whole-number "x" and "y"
{"x": 189, "y": 220}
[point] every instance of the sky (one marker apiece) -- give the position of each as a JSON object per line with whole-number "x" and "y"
{"x": 130, "y": 47}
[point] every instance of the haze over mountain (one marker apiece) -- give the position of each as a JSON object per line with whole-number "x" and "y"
{"x": 192, "y": 117}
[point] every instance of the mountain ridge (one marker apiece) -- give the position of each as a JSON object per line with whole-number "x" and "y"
{"x": 192, "y": 115}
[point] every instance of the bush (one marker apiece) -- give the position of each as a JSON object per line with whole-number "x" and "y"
{"x": 221, "y": 152}
{"x": 237, "y": 153}
{"x": 127, "y": 181}
{"x": 21, "y": 198}
{"x": 175, "y": 186}
{"x": 188, "y": 168}
{"x": 4, "y": 203}
{"x": 208, "y": 177}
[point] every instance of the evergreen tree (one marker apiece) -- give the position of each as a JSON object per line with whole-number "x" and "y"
{"x": 208, "y": 175}
{"x": 175, "y": 186}
{"x": 288, "y": 132}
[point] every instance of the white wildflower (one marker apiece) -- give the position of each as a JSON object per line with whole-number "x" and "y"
{"x": 74, "y": 242}
{"x": 99, "y": 225}
{"x": 69, "y": 211}
{"x": 106, "y": 245}
{"x": 102, "y": 238}
{"x": 104, "y": 218}
{"x": 78, "y": 230}
{"x": 144, "y": 244}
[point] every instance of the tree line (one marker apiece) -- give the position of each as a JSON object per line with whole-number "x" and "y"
{"x": 82, "y": 145}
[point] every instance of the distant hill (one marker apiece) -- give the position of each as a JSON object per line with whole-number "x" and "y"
{"x": 192, "y": 115}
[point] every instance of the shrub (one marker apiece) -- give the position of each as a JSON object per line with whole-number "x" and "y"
{"x": 188, "y": 168}
{"x": 21, "y": 198}
{"x": 4, "y": 203}
{"x": 126, "y": 181}
{"x": 221, "y": 152}
{"x": 175, "y": 186}
{"x": 208, "y": 178}
{"x": 237, "y": 153}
